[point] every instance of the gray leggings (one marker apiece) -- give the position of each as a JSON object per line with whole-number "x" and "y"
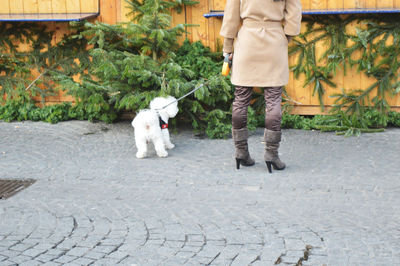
{"x": 273, "y": 112}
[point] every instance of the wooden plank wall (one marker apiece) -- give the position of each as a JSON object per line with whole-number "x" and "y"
{"x": 207, "y": 31}
{"x": 110, "y": 12}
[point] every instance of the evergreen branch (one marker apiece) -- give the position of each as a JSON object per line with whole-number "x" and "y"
{"x": 36, "y": 79}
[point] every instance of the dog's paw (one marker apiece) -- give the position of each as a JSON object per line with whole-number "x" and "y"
{"x": 140, "y": 155}
{"x": 170, "y": 146}
{"x": 162, "y": 153}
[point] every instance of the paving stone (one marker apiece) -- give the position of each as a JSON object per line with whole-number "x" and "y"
{"x": 130, "y": 261}
{"x": 83, "y": 261}
{"x": 174, "y": 244}
{"x": 292, "y": 256}
{"x": 20, "y": 259}
{"x": 77, "y": 251}
{"x": 2, "y": 258}
{"x": 55, "y": 252}
{"x": 33, "y": 252}
{"x": 118, "y": 255}
{"x": 106, "y": 261}
{"x": 185, "y": 254}
{"x": 8, "y": 263}
{"x": 30, "y": 263}
{"x": 112, "y": 242}
{"x": 51, "y": 263}
{"x": 65, "y": 259}
{"x": 263, "y": 262}
{"x": 175, "y": 261}
{"x": 95, "y": 255}
{"x": 187, "y": 248}
{"x": 20, "y": 247}
{"x": 337, "y": 195}
{"x": 209, "y": 252}
{"x": 45, "y": 258}
{"x": 294, "y": 244}
{"x": 244, "y": 259}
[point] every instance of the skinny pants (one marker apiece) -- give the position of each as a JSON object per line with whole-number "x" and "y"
{"x": 273, "y": 112}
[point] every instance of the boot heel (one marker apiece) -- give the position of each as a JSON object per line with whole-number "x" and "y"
{"x": 269, "y": 164}
{"x": 238, "y": 160}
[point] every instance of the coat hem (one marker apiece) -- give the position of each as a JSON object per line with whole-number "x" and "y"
{"x": 261, "y": 85}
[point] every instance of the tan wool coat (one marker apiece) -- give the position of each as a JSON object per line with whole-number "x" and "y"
{"x": 261, "y": 48}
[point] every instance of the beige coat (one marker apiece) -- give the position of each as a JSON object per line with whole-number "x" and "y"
{"x": 261, "y": 48}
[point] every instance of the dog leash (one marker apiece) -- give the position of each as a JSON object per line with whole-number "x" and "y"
{"x": 187, "y": 94}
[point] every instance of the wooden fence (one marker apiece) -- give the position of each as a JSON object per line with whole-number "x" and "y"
{"x": 207, "y": 31}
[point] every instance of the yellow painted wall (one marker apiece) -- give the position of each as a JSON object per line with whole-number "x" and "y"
{"x": 207, "y": 31}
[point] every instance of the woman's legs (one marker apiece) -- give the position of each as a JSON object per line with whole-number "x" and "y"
{"x": 273, "y": 111}
{"x": 272, "y": 132}
{"x": 240, "y": 105}
{"x": 239, "y": 125}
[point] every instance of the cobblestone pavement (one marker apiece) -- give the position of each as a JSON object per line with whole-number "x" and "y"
{"x": 337, "y": 203}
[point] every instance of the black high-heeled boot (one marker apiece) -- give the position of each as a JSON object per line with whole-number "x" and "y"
{"x": 271, "y": 157}
{"x": 242, "y": 155}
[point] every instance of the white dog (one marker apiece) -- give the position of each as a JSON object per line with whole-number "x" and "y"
{"x": 152, "y": 125}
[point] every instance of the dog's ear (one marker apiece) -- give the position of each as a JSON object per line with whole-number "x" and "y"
{"x": 171, "y": 99}
{"x": 157, "y": 103}
{"x": 172, "y": 109}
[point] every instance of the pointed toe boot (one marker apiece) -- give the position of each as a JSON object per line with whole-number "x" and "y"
{"x": 242, "y": 155}
{"x": 271, "y": 157}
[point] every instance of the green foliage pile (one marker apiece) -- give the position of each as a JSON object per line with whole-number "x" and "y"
{"x": 126, "y": 66}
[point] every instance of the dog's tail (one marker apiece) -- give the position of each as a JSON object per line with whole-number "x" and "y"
{"x": 146, "y": 125}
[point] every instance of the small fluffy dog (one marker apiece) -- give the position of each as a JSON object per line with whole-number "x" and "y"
{"x": 152, "y": 125}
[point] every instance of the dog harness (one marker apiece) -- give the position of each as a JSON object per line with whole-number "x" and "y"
{"x": 163, "y": 125}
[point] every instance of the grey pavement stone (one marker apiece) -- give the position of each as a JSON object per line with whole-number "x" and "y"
{"x": 33, "y": 252}
{"x": 94, "y": 200}
{"x": 245, "y": 259}
{"x": 112, "y": 242}
{"x": 20, "y": 247}
{"x": 95, "y": 255}
{"x": 30, "y": 263}
{"x": 78, "y": 251}
{"x": 209, "y": 252}
{"x": 118, "y": 255}
{"x": 194, "y": 249}
{"x": 174, "y": 244}
{"x": 45, "y": 258}
{"x": 20, "y": 259}
{"x": 51, "y": 263}
{"x": 83, "y": 261}
{"x": 65, "y": 259}
{"x": 3, "y": 257}
{"x": 292, "y": 256}
{"x": 8, "y": 263}
{"x": 104, "y": 249}
{"x": 56, "y": 252}
{"x": 10, "y": 253}
{"x": 106, "y": 261}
